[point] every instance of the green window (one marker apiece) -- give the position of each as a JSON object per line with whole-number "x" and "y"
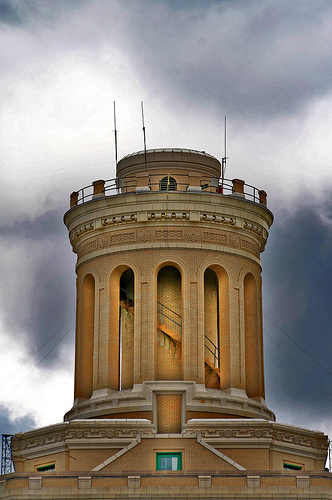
{"x": 44, "y": 468}
{"x": 169, "y": 461}
{"x": 292, "y": 466}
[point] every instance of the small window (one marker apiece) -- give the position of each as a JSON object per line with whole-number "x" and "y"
{"x": 43, "y": 468}
{"x": 169, "y": 461}
{"x": 167, "y": 184}
{"x": 292, "y": 466}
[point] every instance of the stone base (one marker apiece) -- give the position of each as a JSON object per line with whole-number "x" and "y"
{"x": 117, "y": 458}
{"x": 197, "y": 399}
{"x": 94, "y": 486}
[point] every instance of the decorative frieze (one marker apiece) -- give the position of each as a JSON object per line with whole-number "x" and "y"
{"x": 217, "y": 218}
{"x": 168, "y": 215}
{"x": 84, "y": 229}
{"x": 88, "y": 431}
{"x": 119, "y": 219}
{"x": 172, "y": 234}
{"x": 146, "y": 234}
{"x": 216, "y": 430}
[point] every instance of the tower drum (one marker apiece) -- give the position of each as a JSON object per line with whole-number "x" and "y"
{"x": 169, "y": 313}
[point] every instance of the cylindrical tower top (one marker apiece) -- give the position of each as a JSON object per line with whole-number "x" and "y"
{"x": 182, "y": 161}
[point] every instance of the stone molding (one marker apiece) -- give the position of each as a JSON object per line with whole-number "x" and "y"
{"x": 150, "y": 208}
{"x": 109, "y": 242}
{"x": 218, "y": 433}
{"x": 232, "y": 433}
{"x": 279, "y": 485}
{"x": 100, "y": 433}
{"x": 198, "y": 398}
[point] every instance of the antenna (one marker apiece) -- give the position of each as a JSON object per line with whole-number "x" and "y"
{"x": 144, "y": 134}
{"x": 224, "y": 159}
{"x": 115, "y": 138}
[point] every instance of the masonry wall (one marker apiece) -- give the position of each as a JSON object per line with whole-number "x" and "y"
{"x": 152, "y": 354}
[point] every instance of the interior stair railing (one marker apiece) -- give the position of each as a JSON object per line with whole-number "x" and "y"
{"x": 214, "y": 350}
{"x": 169, "y": 322}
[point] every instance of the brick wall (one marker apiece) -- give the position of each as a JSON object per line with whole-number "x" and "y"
{"x": 85, "y": 342}
{"x": 169, "y": 413}
{"x": 252, "y": 347}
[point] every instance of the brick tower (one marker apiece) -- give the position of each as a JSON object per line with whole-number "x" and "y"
{"x": 169, "y": 377}
{"x": 169, "y": 293}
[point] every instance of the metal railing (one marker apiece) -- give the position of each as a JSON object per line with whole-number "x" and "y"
{"x": 184, "y": 183}
{"x": 213, "y": 349}
{"x": 169, "y": 318}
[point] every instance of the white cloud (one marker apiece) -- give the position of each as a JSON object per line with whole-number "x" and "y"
{"x": 37, "y": 392}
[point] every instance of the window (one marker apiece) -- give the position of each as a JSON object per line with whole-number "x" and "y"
{"x": 169, "y": 461}
{"x": 167, "y": 184}
{"x": 292, "y": 466}
{"x": 43, "y": 468}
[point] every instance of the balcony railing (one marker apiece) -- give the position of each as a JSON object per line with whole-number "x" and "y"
{"x": 184, "y": 183}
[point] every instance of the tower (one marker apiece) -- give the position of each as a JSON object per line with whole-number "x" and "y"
{"x": 169, "y": 376}
{"x": 169, "y": 293}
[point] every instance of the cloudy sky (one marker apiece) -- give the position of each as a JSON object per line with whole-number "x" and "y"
{"x": 267, "y": 65}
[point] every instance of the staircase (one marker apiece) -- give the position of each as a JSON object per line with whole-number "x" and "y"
{"x": 169, "y": 323}
{"x": 212, "y": 372}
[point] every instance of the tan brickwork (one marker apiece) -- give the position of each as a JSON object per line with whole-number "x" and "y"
{"x": 85, "y": 343}
{"x": 258, "y": 460}
{"x": 277, "y": 460}
{"x": 252, "y": 348}
{"x": 85, "y": 459}
{"x": 169, "y": 413}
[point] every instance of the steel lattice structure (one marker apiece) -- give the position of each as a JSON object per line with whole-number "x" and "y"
{"x": 6, "y": 454}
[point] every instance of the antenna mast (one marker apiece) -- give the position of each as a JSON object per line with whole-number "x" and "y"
{"x": 223, "y": 161}
{"x": 115, "y": 138}
{"x": 144, "y": 134}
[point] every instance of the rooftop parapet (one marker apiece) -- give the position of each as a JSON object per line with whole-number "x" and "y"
{"x": 169, "y": 170}
{"x": 236, "y": 188}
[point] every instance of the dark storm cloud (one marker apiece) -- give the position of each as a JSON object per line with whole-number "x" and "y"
{"x": 42, "y": 309}
{"x": 8, "y": 14}
{"x": 259, "y": 59}
{"x": 249, "y": 59}
{"x": 10, "y": 426}
{"x": 297, "y": 270}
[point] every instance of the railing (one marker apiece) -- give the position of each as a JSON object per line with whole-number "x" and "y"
{"x": 213, "y": 350}
{"x": 184, "y": 183}
{"x": 169, "y": 318}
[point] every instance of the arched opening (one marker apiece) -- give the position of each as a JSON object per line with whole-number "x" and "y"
{"x": 167, "y": 183}
{"x": 216, "y": 328}
{"x": 126, "y": 330}
{"x": 169, "y": 324}
{"x": 120, "y": 359}
{"x": 211, "y": 329}
{"x": 85, "y": 342}
{"x": 252, "y": 347}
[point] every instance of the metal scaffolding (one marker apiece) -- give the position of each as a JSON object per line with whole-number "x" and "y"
{"x": 6, "y": 454}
